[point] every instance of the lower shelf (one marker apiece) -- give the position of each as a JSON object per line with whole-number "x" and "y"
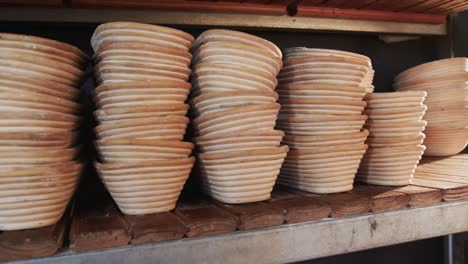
{"x": 291, "y": 226}
{"x": 293, "y": 242}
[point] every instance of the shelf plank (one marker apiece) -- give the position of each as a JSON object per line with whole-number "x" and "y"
{"x": 346, "y": 204}
{"x": 421, "y": 196}
{"x": 255, "y": 215}
{"x": 32, "y": 2}
{"x": 97, "y": 229}
{"x": 455, "y": 9}
{"x": 383, "y": 198}
{"x": 313, "y": 11}
{"x": 203, "y": 19}
{"x": 155, "y": 228}
{"x": 424, "y": 5}
{"x": 202, "y": 218}
{"x": 96, "y": 221}
{"x": 203, "y": 6}
{"x": 292, "y": 242}
{"x": 32, "y": 243}
{"x": 389, "y": 5}
{"x": 405, "y": 5}
{"x": 300, "y": 208}
{"x": 333, "y": 3}
{"x": 357, "y": 4}
{"x": 342, "y": 204}
{"x": 313, "y": 2}
{"x": 440, "y": 8}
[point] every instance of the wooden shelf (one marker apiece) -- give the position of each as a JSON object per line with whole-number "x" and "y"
{"x": 431, "y": 12}
{"x": 212, "y": 19}
{"x": 349, "y": 216}
{"x": 288, "y": 243}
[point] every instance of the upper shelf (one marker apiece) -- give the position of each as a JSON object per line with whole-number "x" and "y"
{"x": 418, "y": 17}
{"x": 417, "y": 11}
{"x": 216, "y": 19}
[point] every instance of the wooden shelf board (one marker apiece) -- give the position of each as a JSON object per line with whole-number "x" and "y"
{"x": 32, "y": 243}
{"x": 314, "y": 11}
{"x": 295, "y": 242}
{"x": 209, "y": 19}
{"x": 100, "y": 225}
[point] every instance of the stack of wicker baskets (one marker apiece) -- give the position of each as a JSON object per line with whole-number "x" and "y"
{"x": 142, "y": 71}
{"x": 321, "y": 97}
{"x": 235, "y": 109}
{"x": 396, "y": 136}
{"x": 38, "y": 122}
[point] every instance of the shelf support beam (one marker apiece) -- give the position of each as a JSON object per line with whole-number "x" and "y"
{"x": 272, "y": 22}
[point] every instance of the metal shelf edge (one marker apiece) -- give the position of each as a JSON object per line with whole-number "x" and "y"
{"x": 288, "y": 243}
{"x": 81, "y": 15}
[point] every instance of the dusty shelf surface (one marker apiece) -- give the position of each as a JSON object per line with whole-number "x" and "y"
{"x": 290, "y": 242}
{"x": 210, "y": 19}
